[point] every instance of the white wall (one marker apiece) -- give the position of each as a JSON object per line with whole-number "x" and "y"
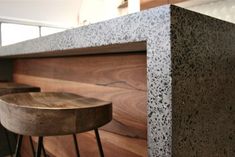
{"x": 222, "y": 9}
{"x": 92, "y": 11}
{"x": 64, "y": 13}
{"x": 57, "y": 12}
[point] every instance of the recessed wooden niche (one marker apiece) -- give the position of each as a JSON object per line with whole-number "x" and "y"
{"x": 119, "y": 77}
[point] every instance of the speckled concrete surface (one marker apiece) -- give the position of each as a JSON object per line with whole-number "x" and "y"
{"x": 191, "y": 71}
{"x": 203, "y": 86}
{"x": 131, "y": 28}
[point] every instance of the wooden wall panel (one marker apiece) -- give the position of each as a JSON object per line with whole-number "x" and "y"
{"x": 114, "y": 145}
{"x": 94, "y": 69}
{"x": 120, "y": 78}
{"x": 147, "y": 4}
{"x": 129, "y": 106}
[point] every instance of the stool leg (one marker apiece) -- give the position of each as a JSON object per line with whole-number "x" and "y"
{"x": 44, "y": 151}
{"x": 39, "y": 149}
{"x": 32, "y": 147}
{"x": 99, "y": 143}
{"x": 18, "y": 145}
{"x": 31, "y": 144}
{"x": 8, "y": 141}
{"x": 76, "y": 145}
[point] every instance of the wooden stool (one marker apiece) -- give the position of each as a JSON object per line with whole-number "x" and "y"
{"x": 10, "y": 87}
{"x": 52, "y": 114}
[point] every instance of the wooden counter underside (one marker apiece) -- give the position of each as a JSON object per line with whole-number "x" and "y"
{"x": 120, "y": 78}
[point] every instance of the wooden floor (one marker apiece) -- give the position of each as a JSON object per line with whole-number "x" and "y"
{"x": 120, "y": 78}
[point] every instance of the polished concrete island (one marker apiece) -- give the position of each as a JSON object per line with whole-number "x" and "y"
{"x": 168, "y": 66}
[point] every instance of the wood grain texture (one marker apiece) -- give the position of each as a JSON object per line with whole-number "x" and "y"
{"x": 129, "y": 106}
{"x": 119, "y": 78}
{"x": 114, "y": 145}
{"x": 52, "y": 113}
{"x": 11, "y": 87}
{"x": 124, "y": 71}
{"x": 146, "y": 4}
{"x": 26, "y": 151}
{"x": 128, "y": 128}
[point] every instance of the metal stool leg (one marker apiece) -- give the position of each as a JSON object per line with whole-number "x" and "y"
{"x": 44, "y": 151}
{"x": 31, "y": 144}
{"x": 18, "y": 145}
{"x": 32, "y": 147}
{"x": 39, "y": 149}
{"x": 76, "y": 145}
{"x": 99, "y": 143}
{"x": 8, "y": 141}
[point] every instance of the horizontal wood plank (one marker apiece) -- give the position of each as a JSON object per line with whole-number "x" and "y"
{"x": 125, "y": 71}
{"x": 114, "y": 145}
{"x": 129, "y": 106}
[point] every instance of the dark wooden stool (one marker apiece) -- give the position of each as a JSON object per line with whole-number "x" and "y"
{"x": 52, "y": 114}
{"x": 10, "y": 87}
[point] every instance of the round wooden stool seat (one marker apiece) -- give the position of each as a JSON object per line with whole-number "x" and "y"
{"x": 51, "y": 114}
{"x": 10, "y": 87}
